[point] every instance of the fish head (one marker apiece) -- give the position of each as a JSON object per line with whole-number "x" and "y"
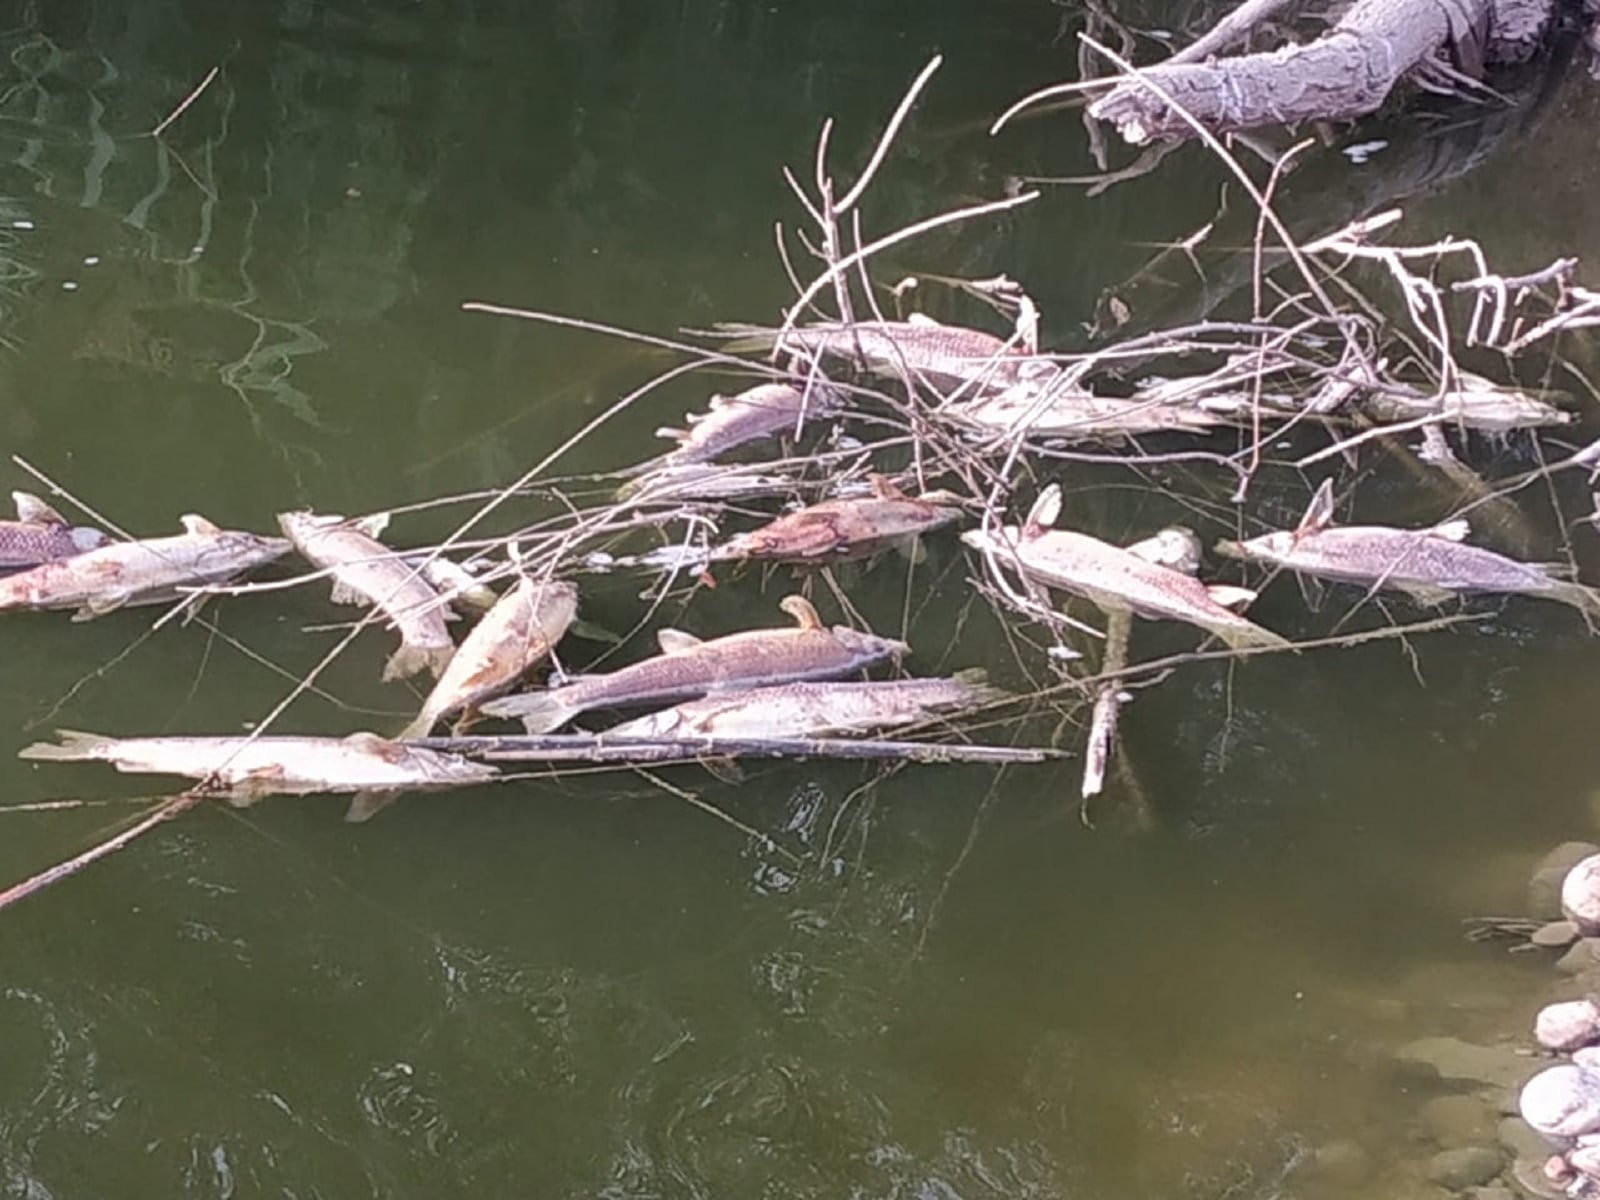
{"x": 869, "y": 646}
{"x": 85, "y": 538}
{"x": 1176, "y": 546}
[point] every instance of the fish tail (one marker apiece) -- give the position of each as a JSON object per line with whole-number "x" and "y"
{"x": 1247, "y": 635}
{"x": 74, "y": 746}
{"x": 366, "y": 805}
{"x": 539, "y": 712}
{"x": 1585, "y": 599}
{"x": 743, "y": 339}
{"x": 413, "y": 660}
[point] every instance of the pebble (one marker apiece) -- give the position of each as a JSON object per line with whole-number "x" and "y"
{"x": 1465, "y": 1168}
{"x": 1589, "y": 1057}
{"x": 1580, "y": 895}
{"x": 1554, "y": 935}
{"x": 1586, "y": 1161}
{"x": 1580, "y": 958}
{"x": 1544, "y": 889}
{"x": 1562, "y": 1101}
{"x": 1569, "y": 1025}
{"x": 1521, "y": 1140}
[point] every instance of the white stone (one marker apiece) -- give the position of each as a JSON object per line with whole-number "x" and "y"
{"x": 1568, "y": 1025}
{"x": 1562, "y": 1101}
{"x": 1580, "y": 896}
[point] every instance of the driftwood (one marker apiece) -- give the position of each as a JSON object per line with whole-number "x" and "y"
{"x": 598, "y": 748}
{"x": 1348, "y": 72}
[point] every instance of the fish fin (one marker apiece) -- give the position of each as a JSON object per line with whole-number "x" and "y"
{"x": 1319, "y": 513}
{"x": 1246, "y": 635}
{"x": 591, "y": 632}
{"x": 413, "y": 660}
{"x": 724, "y": 770}
{"x": 802, "y": 610}
{"x": 713, "y": 402}
{"x": 254, "y": 785}
{"x": 1312, "y": 590}
{"x": 972, "y": 677}
{"x": 1230, "y": 597}
{"x": 539, "y": 712}
{"x": 343, "y": 593}
{"x": 883, "y": 487}
{"x": 1044, "y": 512}
{"x": 1455, "y": 530}
{"x": 99, "y": 606}
{"x": 1421, "y": 593}
{"x": 73, "y": 745}
{"x": 912, "y": 549}
{"x": 676, "y": 435}
{"x": 197, "y": 526}
{"x": 366, "y": 805}
{"x": 1585, "y": 599}
{"x": 676, "y": 641}
{"x": 923, "y": 320}
{"x": 33, "y": 511}
{"x": 373, "y": 526}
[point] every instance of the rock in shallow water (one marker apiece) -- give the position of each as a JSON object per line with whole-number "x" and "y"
{"x": 1569, "y": 1025}
{"x": 1452, "y": 1058}
{"x": 1562, "y": 1101}
{"x": 1458, "y": 1120}
{"x": 1554, "y": 935}
{"x": 1465, "y": 1168}
{"x": 1580, "y": 958}
{"x": 1544, "y": 889}
{"x": 1522, "y": 1140}
{"x": 1580, "y": 896}
{"x": 1344, "y": 1163}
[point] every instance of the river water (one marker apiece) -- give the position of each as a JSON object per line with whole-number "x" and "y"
{"x": 942, "y": 985}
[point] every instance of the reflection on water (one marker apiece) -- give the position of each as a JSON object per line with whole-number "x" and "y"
{"x": 938, "y": 985}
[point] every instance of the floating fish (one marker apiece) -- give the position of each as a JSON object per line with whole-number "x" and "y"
{"x": 1475, "y": 403}
{"x": 836, "y": 530}
{"x": 365, "y": 571}
{"x": 1430, "y": 565}
{"x": 512, "y": 638}
{"x": 688, "y": 667}
{"x": 750, "y": 416}
{"x": 456, "y": 585}
{"x": 243, "y": 770}
{"x": 40, "y": 534}
{"x": 813, "y": 709}
{"x": 147, "y": 571}
{"x": 1118, "y": 579}
{"x": 946, "y": 356}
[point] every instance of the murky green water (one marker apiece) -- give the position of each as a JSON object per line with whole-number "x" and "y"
{"x": 589, "y": 988}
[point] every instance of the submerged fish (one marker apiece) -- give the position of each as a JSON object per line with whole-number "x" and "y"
{"x": 1118, "y": 579}
{"x": 511, "y": 639}
{"x": 365, "y": 571}
{"x": 1476, "y": 403}
{"x": 753, "y": 414}
{"x": 835, "y": 530}
{"x": 147, "y": 571}
{"x": 1430, "y": 565}
{"x": 688, "y": 667}
{"x": 243, "y": 770}
{"x": 812, "y": 709}
{"x": 949, "y": 356}
{"x": 40, "y": 534}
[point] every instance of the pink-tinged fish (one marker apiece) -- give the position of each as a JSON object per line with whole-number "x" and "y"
{"x": 814, "y": 709}
{"x": 1474, "y": 403}
{"x": 688, "y": 667}
{"x": 1117, "y": 579}
{"x": 1430, "y": 565}
{"x": 147, "y": 571}
{"x": 513, "y": 637}
{"x": 752, "y": 415}
{"x": 40, "y": 534}
{"x": 836, "y": 530}
{"x": 365, "y": 571}
{"x": 243, "y": 770}
{"x": 949, "y": 357}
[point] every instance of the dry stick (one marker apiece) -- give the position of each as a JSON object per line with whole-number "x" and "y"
{"x": 164, "y": 812}
{"x": 1226, "y": 31}
{"x": 1107, "y": 707}
{"x": 185, "y": 103}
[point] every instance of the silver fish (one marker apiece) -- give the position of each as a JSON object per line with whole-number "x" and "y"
{"x": 1476, "y": 403}
{"x": 147, "y": 571}
{"x": 40, "y": 534}
{"x": 1430, "y": 565}
{"x": 243, "y": 770}
{"x": 813, "y": 709}
{"x": 456, "y": 585}
{"x": 512, "y": 638}
{"x": 836, "y": 530}
{"x": 947, "y": 356}
{"x": 365, "y": 571}
{"x": 1118, "y": 579}
{"x": 753, "y": 414}
{"x": 688, "y": 667}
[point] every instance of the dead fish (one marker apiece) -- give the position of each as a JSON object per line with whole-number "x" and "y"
{"x": 512, "y": 638}
{"x": 1118, "y": 579}
{"x": 456, "y": 585}
{"x": 1053, "y": 409}
{"x": 836, "y": 530}
{"x": 948, "y": 356}
{"x": 146, "y": 571}
{"x": 750, "y": 416}
{"x": 1176, "y": 546}
{"x": 1430, "y": 565}
{"x": 812, "y": 709}
{"x": 40, "y": 534}
{"x": 688, "y": 667}
{"x": 365, "y": 571}
{"x": 1476, "y": 403}
{"x": 243, "y": 770}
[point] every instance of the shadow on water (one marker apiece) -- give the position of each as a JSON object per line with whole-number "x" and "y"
{"x": 947, "y": 986}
